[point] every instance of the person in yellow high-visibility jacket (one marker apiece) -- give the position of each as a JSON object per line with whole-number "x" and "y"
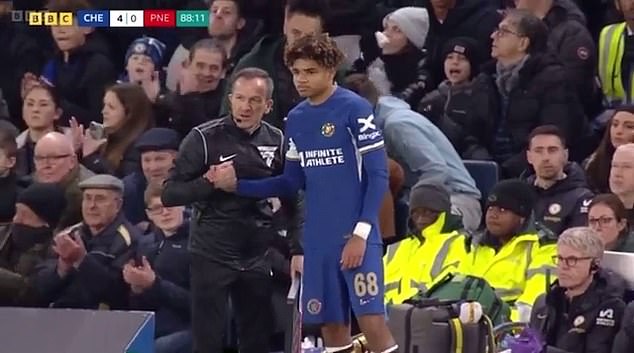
{"x": 434, "y": 249}
{"x": 511, "y": 254}
{"x": 616, "y": 69}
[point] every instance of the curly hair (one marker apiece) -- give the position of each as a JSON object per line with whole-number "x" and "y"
{"x": 319, "y": 48}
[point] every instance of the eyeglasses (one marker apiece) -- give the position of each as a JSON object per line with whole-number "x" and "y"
{"x": 571, "y": 261}
{"x": 503, "y": 32}
{"x": 52, "y": 158}
{"x": 155, "y": 210}
{"x": 604, "y": 221}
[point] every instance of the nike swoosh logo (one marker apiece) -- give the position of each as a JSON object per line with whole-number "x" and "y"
{"x": 227, "y": 158}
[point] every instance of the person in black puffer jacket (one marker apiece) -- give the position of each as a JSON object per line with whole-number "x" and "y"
{"x": 522, "y": 89}
{"x": 448, "y": 106}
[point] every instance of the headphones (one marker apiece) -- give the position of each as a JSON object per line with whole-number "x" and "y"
{"x": 594, "y": 266}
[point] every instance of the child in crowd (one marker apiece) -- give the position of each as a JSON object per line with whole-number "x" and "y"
{"x": 143, "y": 65}
{"x": 80, "y": 69}
{"x": 448, "y": 106}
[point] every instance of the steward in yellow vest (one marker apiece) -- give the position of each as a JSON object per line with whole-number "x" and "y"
{"x": 435, "y": 248}
{"x": 616, "y": 64}
{"x": 514, "y": 257}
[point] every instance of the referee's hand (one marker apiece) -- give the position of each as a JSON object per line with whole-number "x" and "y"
{"x": 297, "y": 265}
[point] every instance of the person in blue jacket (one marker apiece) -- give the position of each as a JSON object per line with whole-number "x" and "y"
{"x": 160, "y": 282}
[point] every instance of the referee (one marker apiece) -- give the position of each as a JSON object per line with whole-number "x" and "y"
{"x": 231, "y": 235}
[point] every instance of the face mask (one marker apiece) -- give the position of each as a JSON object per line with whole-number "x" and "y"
{"x": 25, "y": 237}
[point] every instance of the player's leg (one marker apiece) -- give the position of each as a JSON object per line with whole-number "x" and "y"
{"x": 326, "y": 301}
{"x": 366, "y": 291}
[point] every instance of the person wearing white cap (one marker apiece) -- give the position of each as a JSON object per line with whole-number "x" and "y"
{"x": 402, "y": 63}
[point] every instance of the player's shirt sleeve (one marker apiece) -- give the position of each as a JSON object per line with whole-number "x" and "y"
{"x": 286, "y": 184}
{"x": 369, "y": 143}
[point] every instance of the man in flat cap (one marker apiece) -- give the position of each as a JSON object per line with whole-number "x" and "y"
{"x": 158, "y": 148}
{"x": 90, "y": 255}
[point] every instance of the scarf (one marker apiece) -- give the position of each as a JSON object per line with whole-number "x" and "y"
{"x": 406, "y": 72}
{"x": 507, "y": 78}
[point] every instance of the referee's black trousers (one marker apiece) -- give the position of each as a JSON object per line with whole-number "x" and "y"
{"x": 212, "y": 284}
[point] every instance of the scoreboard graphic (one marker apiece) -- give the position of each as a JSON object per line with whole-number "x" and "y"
{"x": 115, "y": 18}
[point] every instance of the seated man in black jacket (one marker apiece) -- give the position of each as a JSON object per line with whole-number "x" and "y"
{"x": 86, "y": 271}
{"x": 582, "y": 311}
{"x": 160, "y": 283}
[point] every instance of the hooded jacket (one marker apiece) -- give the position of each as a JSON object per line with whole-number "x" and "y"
{"x": 586, "y": 324}
{"x": 408, "y": 137}
{"x": 565, "y": 204}
{"x": 572, "y": 43}
{"x": 520, "y": 270}
{"x": 81, "y": 82}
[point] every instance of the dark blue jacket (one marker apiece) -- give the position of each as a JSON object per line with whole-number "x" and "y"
{"x": 169, "y": 297}
{"x": 98, "y": 282}
{"x": 133, "y": 197}
{"x": 81, "y": 81}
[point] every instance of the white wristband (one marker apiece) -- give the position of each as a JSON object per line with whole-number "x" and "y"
{"x": 362, "y": 229}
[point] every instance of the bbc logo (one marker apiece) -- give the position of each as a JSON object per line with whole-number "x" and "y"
{"x": 39, "y": 18}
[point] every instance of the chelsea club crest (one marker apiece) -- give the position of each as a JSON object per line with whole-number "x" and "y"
{"x": 328, "y": 129}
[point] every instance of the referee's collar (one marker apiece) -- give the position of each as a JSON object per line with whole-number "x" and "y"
{"x": 233, "y": 128}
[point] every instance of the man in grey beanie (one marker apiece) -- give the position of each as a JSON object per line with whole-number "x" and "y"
{"x": 436, "y": 245}
{"x": 426, "y": 204}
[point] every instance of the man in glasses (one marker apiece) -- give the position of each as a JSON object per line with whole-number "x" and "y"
{"x": 56, "y": 162}
{"x": 524, "y": 88}
{"x": 582, "y": 311}
{"x": 160, "y": 280}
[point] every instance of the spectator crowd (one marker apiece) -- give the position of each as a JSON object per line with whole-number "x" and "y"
{"x": 508, "y": 127}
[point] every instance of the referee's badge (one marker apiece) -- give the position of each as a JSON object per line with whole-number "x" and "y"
{"x": 328, "y": 129}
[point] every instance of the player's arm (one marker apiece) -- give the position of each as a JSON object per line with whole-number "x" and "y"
{"x": 370, "y": 144}
{"x": 286, "y": 184}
